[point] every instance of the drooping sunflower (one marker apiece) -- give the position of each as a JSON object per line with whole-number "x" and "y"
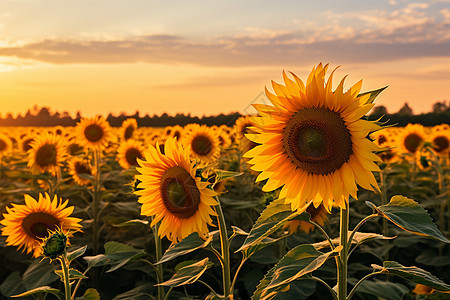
{"x": 440, "y": 140}
{"x": 79, "y": 166}
{"x": 26, "y": 225}
{"x": 47, "y": 153}
{"x": 94, "y": 132}
{"x": 203, "y": 142}
{"x": 314, "y": 141}
{"x": 127, "y": 129}
{"x": 171, "y": 192}
{"x": 128, "y": 153}
{"x": 411, "y": 138}
{"x": 318, "y": 215}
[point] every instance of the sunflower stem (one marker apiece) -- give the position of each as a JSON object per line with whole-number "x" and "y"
{"x": 225, "y": 247}
{"x": 352, "y": 292}
{"x": 383, "y": 179}
{"x": 324, "y": 233}
{"x": 159, "y": 267}
{"x": 342, "y": 259}
{"x": 440, "y": 174}
{"x": 95, "y": 202}
{"x": 65, "y": 269}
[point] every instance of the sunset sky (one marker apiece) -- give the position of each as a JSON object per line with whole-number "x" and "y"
{"x": 210, "y": 57}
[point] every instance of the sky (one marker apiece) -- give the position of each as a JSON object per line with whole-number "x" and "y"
{"x": 211, "y": 57}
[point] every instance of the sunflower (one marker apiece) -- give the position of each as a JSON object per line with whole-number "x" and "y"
{"x": 47, "y": 153}
{"x": 424, "y": 159}
{"x": 128, "y": 153}
{"x": 94, "y": 132}
{"x": 5, "y": 144}
{"x": 73, "y": 147}
{"x": 80, "y": 166}
{"x": 128, "y": 128}
{"x": 203, "y": 142}
{"x": 380, "y": 136}
{"x": 411, "y": 138}
{"x": 243, "y": 126}
{"x": 388, "y": 154}
{"x": 171, "y": 192}
{"x": 26, "y": 143}
{"x": 440, "y": 140}
{"x": 318, "y": 215}
{"x": 314, "y": 141}
{"x": 27, "y": 225}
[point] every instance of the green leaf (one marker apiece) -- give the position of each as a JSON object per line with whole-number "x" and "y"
{"x": 12, "y": 285}
{"x": 132, "y": 222}
{"x": 76, "y": 253}
{"x": 90, "y": 294}
{"x": 373, "y": 94}
{"x": 190, "y": 243}
{"x": 187, "y": 274}
{"x": 358, "y": 238}
{"x": 271, "y": 219}
{"x": 297, "y": 263}
{"x": 415, "y": 274}
{"x": 39, "y": 274}
{"x": 410, "y": 216}
{"x": 73, "y": 274}
{"x": 383, "y": 289}
{"x": 41, "y": 289}
{"x": 116, "y": 255}
{"x": 223, "y": 174}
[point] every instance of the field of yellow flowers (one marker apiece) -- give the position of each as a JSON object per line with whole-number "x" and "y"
{"x": 307, "y": 200}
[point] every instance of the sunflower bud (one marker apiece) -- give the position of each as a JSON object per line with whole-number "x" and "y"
{"x": 55, "y": 245}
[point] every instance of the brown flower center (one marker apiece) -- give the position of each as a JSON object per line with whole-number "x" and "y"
{"x": 317, "y": 140}
{"x": 381, "y": 139}
{"x": 179, "y": 192}
{"x": 440, "y": 143}
{"x": 82, "y": 168}
{"x": 93, "y": 133}
{"x": 202, "y": 145}
{"x": 128, "y": 132}
{"x": 3, "y": 145}
{"x": 132, "y": 155}
{"x": 37, "y": 224}
{"x": 46, "y": 155}
{"x": 412, "y": 142}
{"x": 74, "y": 148}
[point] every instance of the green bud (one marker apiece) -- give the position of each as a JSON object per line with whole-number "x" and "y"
{"x": 55, "y": 245}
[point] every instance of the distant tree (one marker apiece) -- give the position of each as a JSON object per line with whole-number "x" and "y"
{"x": 405, "y": 110}
{"x": 379, "y": 111}
{"x": 441, "y": 106}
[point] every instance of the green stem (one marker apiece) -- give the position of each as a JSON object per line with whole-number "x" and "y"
{"x": 65, "y": 269}
{"x": 225, "y": 247}
{"x": 77, "y": 286}
{"x": 352, "y": 292}
{"x": 159, "y": 267}
{"x": 333, "y": 293}
{"x": 168, "y": 293}
{"x": 342, "y": 259}
{"x": 440, "y": 174}
{"x": 96, "y": 202}
{"x": 324, "y": 233}
{"x": 383, "y": 177}
{"x": 359, "y": 225}
{"x": 208, "y": 286}
{"x": 237, "y": 272}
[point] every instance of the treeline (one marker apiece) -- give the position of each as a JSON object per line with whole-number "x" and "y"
{"x": 45, "y": 117}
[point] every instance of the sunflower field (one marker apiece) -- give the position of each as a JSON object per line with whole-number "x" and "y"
{"x": 308, "y": 199}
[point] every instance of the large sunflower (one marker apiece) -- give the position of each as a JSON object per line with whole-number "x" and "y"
{"x": 171, "y": 192}
{"x": 128, "y": 153}
{"x": 47, "y": 153}
{"x": 314, "y": 141}
{"x": 203, "y": 142}
{"x": 94, "y": 132}
{"x": 129, "y": 126}
{"x": 26, "y": 225}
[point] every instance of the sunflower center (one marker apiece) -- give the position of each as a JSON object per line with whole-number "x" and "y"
{"x": 93, "y": 133}
{"x": 412, "y": 142}
{"x": 381, "y": 139}
{"x": 82, "y": 168}
{"x": 132, "y": 155}
{"x": 179, "y": 192}
{"x": 46, "y": 155}
{"x": 201, "y": 145}
{"x": 37, "y": 225}
{"x": 317, "y": 140}
{"x": 440, "y": 143}
{"x": 128, "y": 132}
{"x": 2, "y": 145}
{"x": 74, "y": 148}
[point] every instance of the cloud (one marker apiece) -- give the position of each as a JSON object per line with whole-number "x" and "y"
{"x": 377, "y": 35}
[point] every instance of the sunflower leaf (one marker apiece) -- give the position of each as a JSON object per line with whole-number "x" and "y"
{"x": 382, "y": 289}
{"x": 132, "y": 222}
{"x": 73, "y": 274}
{"x": 187, "y": 274}
{"x": 415, "y": 274}
{"x": 271, "y": 219}
{"x": 373, "y": 94}
{"x": 41, "y": 289}
{"x": 90, "y": 294}
{"x": 410, "y": 216}
{"x": 76, "y": 253}
{"x": 298, "y": 263}
{"x": 190, "y": 243}
{"x": 359, "y": 238}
